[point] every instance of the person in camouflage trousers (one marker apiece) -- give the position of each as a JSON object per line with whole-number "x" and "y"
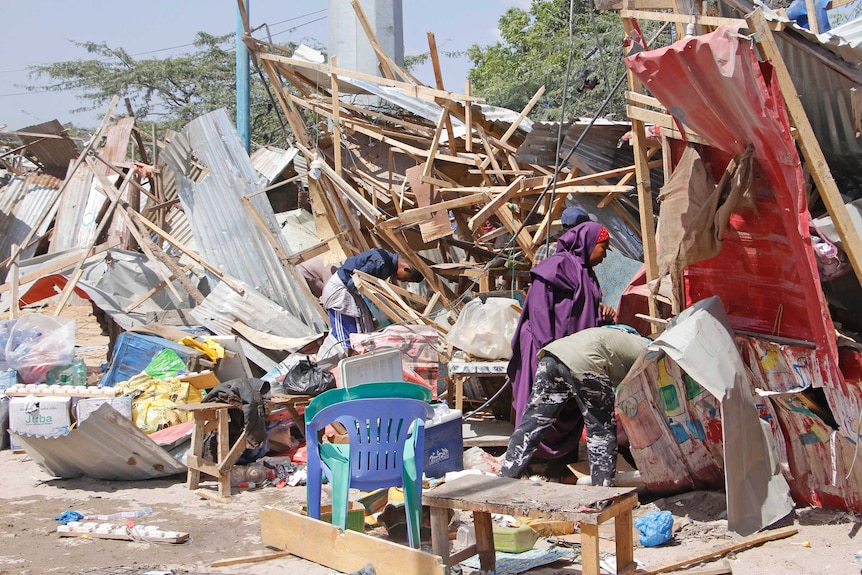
{"x": 577, "y": 374}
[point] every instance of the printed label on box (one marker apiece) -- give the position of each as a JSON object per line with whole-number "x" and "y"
{"x": 40, "y": 416}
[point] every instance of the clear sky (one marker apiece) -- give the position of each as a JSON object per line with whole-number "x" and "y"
{"x": 43, "y": 31}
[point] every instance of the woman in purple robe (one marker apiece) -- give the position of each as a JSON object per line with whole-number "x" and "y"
{"x": 564, "y": 298}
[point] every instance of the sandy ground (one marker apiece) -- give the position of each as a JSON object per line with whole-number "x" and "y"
{"x": 30, "y": 499}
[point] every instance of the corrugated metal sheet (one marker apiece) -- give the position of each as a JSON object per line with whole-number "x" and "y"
{"x": 54, "y": 153}
{"x": 78, "y": 212}
{"x": 213, "y": 174}
{"x": 826, "y": 97}
{"x": 106, "y": 445}
{"x": 825, "y": 92}
{"x": 22, "y": 201}
{"x": 271, "y": 161}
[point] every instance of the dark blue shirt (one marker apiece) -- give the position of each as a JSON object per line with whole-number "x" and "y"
{"x": 376, "y": 262}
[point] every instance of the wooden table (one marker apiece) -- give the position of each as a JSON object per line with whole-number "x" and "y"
{"x": 215, "y": 417}
{"x": 209, "y": 417}
{"x": 484, "y": 495}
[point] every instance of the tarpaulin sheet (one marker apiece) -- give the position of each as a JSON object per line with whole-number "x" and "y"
{"x": 766, "y": 274}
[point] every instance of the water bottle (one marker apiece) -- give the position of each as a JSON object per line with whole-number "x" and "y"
{"x": 237, "y": 475}
{"x": 255, "y": 473}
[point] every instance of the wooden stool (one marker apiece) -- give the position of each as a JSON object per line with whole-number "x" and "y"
{"x": 209, "y": 417}
{"x": 484, "y": 495}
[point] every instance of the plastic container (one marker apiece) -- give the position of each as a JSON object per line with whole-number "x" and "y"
{"x": 515, "y": 539}
{"x": 466, "y": 536}
{"x": 256, "y": 473}
{"x": 75, "y": 374}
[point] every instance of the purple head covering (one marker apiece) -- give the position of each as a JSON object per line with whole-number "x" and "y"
{"x": 563, "y": 299}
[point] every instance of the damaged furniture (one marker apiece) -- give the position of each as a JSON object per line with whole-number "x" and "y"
{"x": 384, "y": 437}
{"x": 586, "y": 506}
{"x": 212, "y": 417}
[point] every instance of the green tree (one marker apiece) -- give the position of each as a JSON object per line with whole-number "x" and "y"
{"x": 168, "y": 92}
{"x": 534, "y": 51}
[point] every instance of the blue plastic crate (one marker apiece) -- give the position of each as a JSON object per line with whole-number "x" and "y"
{"x": 444, "y": 445}
{"x": 134, "y": 351}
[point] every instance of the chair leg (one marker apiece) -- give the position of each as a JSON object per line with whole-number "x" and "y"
{"x": 412, "y": 480}
{"x": 340, "y": 494}
{"x": 413, "y": 505}
{"x": 312, "y": 488}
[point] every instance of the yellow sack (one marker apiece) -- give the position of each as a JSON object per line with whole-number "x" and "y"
{"x": 154, "y": 401}
{"x": 213, "y": 349}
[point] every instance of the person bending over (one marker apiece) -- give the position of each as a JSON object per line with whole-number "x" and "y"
{"x": 577, "y": 377}
{"x": 348, "y": 313}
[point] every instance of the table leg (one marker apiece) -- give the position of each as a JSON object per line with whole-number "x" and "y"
{"x": 223, "y": 435}
{"x": 590, "y": 548}
{"x": 485, "y": 540}
{"x": 459, "y": 393}
{"x": 624, "y": 539}
{"x": 440, "y": 533}
{"x": 197, "y": 446}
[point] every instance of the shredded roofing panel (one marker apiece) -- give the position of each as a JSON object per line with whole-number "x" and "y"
{"x": 214, "y": 175}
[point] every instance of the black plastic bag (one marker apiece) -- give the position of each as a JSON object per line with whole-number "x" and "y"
{"x": 305, "y": 377}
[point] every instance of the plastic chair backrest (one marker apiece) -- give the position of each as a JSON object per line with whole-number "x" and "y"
{"x": 378, "y": 430}
{"x": 381, "y": 389}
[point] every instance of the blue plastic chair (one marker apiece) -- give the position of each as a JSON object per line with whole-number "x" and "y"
{"x": 382, "y": 452}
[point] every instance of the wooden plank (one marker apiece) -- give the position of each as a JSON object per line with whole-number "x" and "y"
{"x": 435, "y": 143}
{"x": 643, "y": 183}
{"x": 382, "y": 58}
{"x": 514, "y": 127}
{"x": 683, "y": 18}
{"x": 814, "y": 158}
{"x": 668, "y": 126}
{"x": 468, "y": 118}
{"x": 336, "y": 119}
{"x": 249, "y": 559}
{"x": 438, "y": 79}
{"x": 191, "y": 254}
{"x": 417, "y": 91}
{"x": 491, "y": 207}
{"x": 416, "y": 215}
{"x": 721, "y": 550}
{"x": 345, "y": 551}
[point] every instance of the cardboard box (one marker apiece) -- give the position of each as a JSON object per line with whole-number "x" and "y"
{"x": 444, "y": 445}
{"x": 51, "y": 416}
{"x": 87, "y": 405}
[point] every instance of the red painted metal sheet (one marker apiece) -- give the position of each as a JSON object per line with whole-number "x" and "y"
{"x": 714, "y": 85}
{"x": 766, "y": 274}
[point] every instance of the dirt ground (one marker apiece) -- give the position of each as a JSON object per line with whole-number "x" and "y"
{"x": 30, "y": 499}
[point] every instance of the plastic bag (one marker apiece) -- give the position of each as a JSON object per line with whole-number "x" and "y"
{"x": 5, "y": 331}
{"x": 167, "y": 363}
{"x": 39, "y": 342}
{"x": 306, "y": 378}
{"x": 656, "y": 528}
{"x": 486, "y": 329}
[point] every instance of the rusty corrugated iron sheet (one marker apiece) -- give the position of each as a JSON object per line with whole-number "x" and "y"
{"x": 22, "y": 202}
{"x": 53, "y": 153}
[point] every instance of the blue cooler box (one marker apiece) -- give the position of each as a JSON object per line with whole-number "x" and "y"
{"x": 444, "y": 445}
{"x": 134, "y": 351}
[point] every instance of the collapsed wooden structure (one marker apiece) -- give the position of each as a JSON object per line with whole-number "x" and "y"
{"x": 468, "y": 194}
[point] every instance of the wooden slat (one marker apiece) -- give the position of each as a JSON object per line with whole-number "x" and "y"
{"x": 346, "y": 551}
